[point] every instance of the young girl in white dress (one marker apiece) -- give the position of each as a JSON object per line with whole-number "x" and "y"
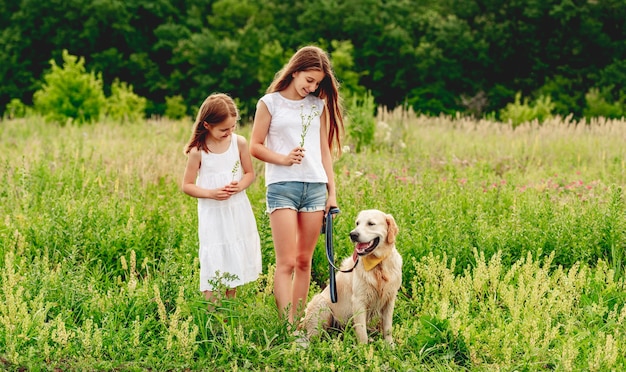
{"x": 219, "y": 169}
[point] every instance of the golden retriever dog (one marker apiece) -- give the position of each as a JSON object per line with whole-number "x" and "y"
{"x": 367, "y": 293}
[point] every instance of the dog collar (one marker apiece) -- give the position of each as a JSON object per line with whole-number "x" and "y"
{"x": 371, "y": 261}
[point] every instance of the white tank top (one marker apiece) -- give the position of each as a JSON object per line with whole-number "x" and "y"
{"x": 284, "y": 134}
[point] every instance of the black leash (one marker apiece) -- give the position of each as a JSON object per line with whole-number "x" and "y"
{"x": 328, "y": 230}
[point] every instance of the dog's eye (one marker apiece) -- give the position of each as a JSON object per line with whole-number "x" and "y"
{"x": 370, "y": 223}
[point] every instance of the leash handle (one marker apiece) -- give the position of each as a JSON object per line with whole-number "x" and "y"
{"x": 331, "y": 211}
{"x": 327, "y": 228}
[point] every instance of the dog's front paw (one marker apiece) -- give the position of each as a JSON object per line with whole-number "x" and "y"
{"x": 301, "y": 340}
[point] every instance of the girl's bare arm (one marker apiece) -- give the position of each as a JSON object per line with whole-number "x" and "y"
{"x": 189, "y": 180}
{"x": 258, "y": 149}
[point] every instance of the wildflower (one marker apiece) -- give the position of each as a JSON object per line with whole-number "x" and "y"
{"x": 235, "y": 169}
{"x": 306, "y": 121}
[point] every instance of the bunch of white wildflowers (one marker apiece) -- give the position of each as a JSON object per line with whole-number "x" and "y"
{"x": 306, "y": 121}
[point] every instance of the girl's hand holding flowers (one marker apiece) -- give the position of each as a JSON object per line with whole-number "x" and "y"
{"x": 295, "y": 156}
{"x": 232, "y": 188}
{"x": 224, "y": 193}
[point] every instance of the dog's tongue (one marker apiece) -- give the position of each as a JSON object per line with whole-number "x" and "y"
{"x": 360, "y": 247}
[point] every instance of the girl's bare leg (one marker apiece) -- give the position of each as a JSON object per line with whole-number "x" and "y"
{"x": 284, "y": 226}
{"x": 231, "y": 292}
{"x": 295, "y": 237}
{"x": 309, "y": 225}
{"x": 212, "y": 298}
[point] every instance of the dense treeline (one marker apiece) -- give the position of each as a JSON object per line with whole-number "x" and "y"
{"x": 437, "y": 56}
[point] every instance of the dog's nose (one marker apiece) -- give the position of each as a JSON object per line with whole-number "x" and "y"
{"x": 354, "y": 236}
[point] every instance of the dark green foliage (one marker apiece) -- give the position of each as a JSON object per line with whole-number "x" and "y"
{"x": 435, "y": 55}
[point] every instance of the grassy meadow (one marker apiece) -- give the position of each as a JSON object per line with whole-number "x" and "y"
{"x": 513, "y": 244}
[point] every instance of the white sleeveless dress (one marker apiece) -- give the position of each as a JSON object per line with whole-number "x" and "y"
{"x": 227, "y": 230}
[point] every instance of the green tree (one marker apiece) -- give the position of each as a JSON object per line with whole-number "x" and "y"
{"x": 567, "y": 93}
{"x": 271, "y": 59}
{"x": 70, "y": 93}
{"x": 553, "y": 47}
{"x": 342, "y": 57}
{"x": 613, "y": 78}
{"x": 436, "y": 55}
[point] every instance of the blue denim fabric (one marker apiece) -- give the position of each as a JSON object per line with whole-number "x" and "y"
{"x": 299, "y": 196}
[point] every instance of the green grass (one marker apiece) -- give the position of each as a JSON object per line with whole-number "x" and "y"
{"x": 513, "y": 244}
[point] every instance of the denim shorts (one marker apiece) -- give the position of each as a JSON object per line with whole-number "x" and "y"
{"x": 299, "y": 196}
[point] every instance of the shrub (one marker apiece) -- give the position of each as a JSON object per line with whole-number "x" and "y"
{"x": 361, "y": 123}
{"x": 70, "y": 93}
{"x": 597, "y": 105}
{"x": 124, "y": 105}
{"x": 175, "y": 107}
{"x": 517, "y": 112}
{"x": 16, "y": 109}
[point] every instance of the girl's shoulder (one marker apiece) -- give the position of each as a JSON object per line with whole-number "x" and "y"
{"x": 194, "y": 151}
{"x": 272, "y": 101}
{"x": 195, "y": 154}
{"x": 240, "y": 140}
{"x": 276, "y": 100}
{"x": 270, "y": 97}
{"x": 267, "y": 96}
{"x": 241, "y": 145}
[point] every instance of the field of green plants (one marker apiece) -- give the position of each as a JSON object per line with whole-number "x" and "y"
{"x": 513, "y": 243}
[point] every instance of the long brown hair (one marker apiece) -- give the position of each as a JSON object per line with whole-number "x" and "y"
{"x": 216, "y": 108}
{"x": 314, "y": 58}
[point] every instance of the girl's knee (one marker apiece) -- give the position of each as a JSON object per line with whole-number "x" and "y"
{"x": 303, "y": 263}
{"x": 285, "y": 266}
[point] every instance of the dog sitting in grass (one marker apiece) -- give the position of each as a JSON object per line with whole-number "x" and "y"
{"x": 367, "y": 293}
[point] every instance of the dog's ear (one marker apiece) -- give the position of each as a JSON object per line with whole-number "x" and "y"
{"x": 392, "y": 229}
